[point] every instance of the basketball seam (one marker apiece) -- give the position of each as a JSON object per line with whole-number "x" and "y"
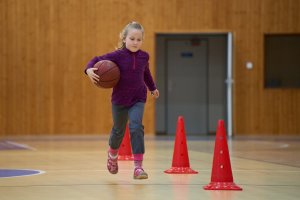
{"x": 105, "y": 73}
{"x": 108, "y": 80}
{"x": 109, "y": 70}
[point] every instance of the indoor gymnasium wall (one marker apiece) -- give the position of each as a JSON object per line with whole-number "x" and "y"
{"x": 45, "y": 45}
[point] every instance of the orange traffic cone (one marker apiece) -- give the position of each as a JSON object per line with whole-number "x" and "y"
{"x": 125, "y": 152}
{"x": 181, "y": 163}
{"x": 221, "y": 175}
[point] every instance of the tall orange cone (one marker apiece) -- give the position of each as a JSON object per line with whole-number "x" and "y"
{"x": 125, "y": 152}
{"x": 180, "y": 163}
{"x": 221, "y": 175}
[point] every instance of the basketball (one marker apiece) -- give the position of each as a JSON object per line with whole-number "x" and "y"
{"x": 109, "y": 73}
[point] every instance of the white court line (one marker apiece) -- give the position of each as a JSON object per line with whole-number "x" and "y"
{"x": 162, "y": 170}
{"x": 21, "y": 145}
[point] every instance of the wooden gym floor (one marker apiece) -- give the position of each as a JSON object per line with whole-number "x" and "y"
{"x": 75, "y": 168}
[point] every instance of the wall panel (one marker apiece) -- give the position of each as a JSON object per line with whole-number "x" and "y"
{"x": 45, "y": 45}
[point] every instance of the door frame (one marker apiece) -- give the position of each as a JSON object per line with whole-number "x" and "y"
{"x": 229, "y": 82}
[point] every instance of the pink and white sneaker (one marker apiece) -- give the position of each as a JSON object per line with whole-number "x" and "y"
{"x": 112, "y": 164}
{"x": 139, "y": 173}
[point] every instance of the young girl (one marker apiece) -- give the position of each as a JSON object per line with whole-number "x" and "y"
{"x": 128, "y": 96}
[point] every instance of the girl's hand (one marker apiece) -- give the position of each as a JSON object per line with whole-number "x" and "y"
{"x": 91, "y": 73}
{"x": 155, "y": 93}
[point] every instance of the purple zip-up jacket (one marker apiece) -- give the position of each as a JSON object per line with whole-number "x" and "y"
{"x": 134, "y": 74}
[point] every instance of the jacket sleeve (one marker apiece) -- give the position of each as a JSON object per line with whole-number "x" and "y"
{"x": 110, "y": 56}
{"x": 148, "y": 79}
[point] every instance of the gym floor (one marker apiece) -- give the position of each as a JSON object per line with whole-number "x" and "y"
{"x": 74, "y": 167}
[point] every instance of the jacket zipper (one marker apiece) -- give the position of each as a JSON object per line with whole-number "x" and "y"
{"x": 133, "y": 55}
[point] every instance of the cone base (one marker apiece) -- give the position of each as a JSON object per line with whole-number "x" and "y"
{"x": 180, "y": 170}
{"x": 222, "y": 186}
{"x": 125, "y": 157}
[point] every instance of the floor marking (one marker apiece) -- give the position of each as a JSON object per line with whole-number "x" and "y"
{"x": 11, "y": 173}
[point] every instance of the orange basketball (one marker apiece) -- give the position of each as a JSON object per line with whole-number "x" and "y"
{"x": 108, "y": 72}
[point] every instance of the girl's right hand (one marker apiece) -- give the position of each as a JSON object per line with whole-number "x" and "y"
{"x": 91, "y": 73}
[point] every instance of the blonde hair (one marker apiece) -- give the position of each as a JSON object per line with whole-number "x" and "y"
{"x": 124, "y": 32}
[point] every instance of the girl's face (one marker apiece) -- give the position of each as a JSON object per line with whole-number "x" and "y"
{"x": 134, "y": 40}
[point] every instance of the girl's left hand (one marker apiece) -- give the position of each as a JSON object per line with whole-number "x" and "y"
{"x": 155, "y": 93}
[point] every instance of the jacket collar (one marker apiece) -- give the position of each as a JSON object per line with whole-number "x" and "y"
{"x": 127, "y": 50}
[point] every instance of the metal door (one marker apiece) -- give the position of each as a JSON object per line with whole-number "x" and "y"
{"x": 187, "y": 81}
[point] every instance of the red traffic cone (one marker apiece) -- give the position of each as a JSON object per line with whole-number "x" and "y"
{"x": 221, "y": 175}
{"x": 181, "y": 163}
{"x": 125, "y": 152}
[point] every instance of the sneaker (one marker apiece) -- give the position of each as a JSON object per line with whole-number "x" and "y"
{"x": 112, "y": 164}
{"x": 139, "y": 173}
